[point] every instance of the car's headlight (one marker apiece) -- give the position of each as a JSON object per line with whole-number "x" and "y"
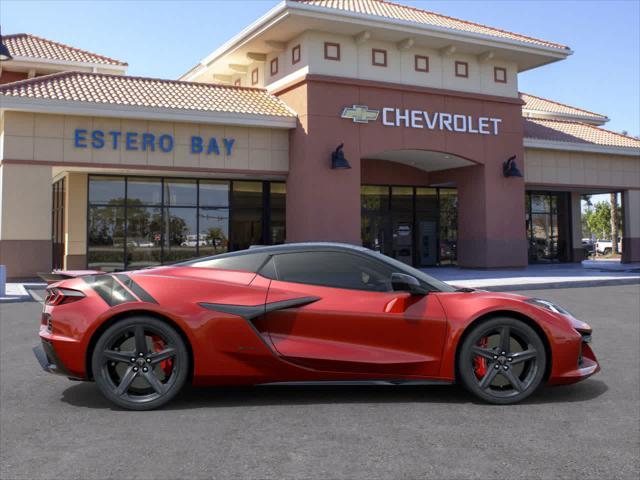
{"x": 546, "y": 304}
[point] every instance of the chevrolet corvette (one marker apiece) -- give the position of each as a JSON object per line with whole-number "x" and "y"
{"x": 307, "y": 312}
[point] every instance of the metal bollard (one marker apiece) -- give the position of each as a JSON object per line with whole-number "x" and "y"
{"x": 3, "y": 281}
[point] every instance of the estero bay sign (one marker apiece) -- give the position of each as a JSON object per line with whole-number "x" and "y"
{"x": 136, "y": 141}
{"x": 403, "y": 117}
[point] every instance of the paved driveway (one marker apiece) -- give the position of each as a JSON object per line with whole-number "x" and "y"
{"x": 53, "y": 428}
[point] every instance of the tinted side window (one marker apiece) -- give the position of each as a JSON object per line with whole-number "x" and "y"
{"x": 334, "y": 269}
{"x": 244, "y": 262}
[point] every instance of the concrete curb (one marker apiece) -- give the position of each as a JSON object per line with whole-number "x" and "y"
{"x": 550, "y": 285}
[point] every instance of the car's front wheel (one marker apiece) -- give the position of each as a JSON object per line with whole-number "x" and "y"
{"x": 502, "y": 360}
{"x": 140, "y": 363}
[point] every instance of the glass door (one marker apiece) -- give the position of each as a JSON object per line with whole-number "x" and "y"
{"x": 57, "y": 224}
{"x": 548, "y": 229}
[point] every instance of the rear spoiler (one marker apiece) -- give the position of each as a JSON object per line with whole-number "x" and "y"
{"x": 58, "y": 275}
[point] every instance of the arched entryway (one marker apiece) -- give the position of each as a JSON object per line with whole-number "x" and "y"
{"x": 404, "y": 213}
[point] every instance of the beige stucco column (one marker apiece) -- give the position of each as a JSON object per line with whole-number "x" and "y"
{"x": 631, "y": 239}
{"x": 577, "y": 252}
{"x": 25, "y": 219}
{"x": 75, "y": 221}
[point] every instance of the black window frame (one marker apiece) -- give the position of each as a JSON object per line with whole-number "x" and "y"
{"x": 164, "y": 209}
{"x": 365, "y": 258}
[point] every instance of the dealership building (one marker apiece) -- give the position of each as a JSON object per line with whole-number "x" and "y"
{"x": 365, "y": 122}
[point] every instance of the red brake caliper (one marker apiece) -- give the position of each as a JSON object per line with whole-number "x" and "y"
{"x": 158, "y": 346}
{"x": 479, "y": 363}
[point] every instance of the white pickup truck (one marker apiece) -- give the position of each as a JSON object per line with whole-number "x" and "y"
{"x": 605, "y": 247}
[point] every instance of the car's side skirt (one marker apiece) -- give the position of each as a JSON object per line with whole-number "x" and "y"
{"x": 360, "y": 382}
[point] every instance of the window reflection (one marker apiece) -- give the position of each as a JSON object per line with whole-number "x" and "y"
{"x": 180, "y": 234}
{"x": 180, "y": 193}
{"x": 214, "y": 193}
{"x": 144, "y": 235}
{"x": 144, "y": 191}
{"x": 136, "y": 222}
{"x": 106, "y": 190}
{"x": 105, "y": 240}
{"x": 214, "y": 231}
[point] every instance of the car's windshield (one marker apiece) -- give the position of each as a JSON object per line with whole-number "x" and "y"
{"x": 433, "y": 283}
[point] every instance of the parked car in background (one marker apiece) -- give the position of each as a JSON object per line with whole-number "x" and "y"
{"x": 588, "y": 246}
{"x": 605, "y": 247}
{"x": 191, "y": 240}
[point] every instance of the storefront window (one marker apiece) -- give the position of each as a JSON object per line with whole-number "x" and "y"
{"x": 181, "y": 193}
{"x": 144, "y": 191}
{"x": 136, "y": 222}
{"x": 246, "y": 217}
{"x": 106, "y": 190}
{"x": 427, "y": 226}
{"x": 180, "y": 234}
{"x": 375, "y": 218}
{"x": 277, "y": 202}
{"x": 144, "y": 236}
{"x": 448, "y": 230}
{"x": 106, "y": 238}
{"x": 214, "y": 230}
{"x": 416, "y": 225}
{"x": 214, "y": 193}
{"x": 547, "y": 218}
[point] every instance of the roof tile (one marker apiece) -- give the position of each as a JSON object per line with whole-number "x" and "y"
{"x": 395, "y": 11}
{"x": 31, "y": 46}
{"x": 575, "y": 132}
{"x": 148, "y": 92}
{"x": 545, "y": 105}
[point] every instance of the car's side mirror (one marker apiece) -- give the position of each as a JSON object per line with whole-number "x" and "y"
{"x": 401, "y": 282}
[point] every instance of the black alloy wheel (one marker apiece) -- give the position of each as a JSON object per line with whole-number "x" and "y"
{"x": 502, "y": 361}
{"x": 140, "y": 363}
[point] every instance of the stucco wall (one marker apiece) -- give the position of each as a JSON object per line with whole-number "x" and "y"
{"x": 356, "y": 62}
{"x": 324, "y": 204}
{"x": 554, "y": 167}
{"x": 50, "y": 138}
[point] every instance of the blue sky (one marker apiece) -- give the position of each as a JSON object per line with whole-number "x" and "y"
{"x": 166, "y": 38}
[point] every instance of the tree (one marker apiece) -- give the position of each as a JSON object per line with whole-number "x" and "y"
{"x": 598, "y": 220}
{"x": 614, "y": 222}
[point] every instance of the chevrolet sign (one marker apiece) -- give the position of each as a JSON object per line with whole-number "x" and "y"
{"x": 402, "y": 117}
{"x": 360, "y": 114}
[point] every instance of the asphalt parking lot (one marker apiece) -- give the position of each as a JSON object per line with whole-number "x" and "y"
{"x": 53, "y": 428}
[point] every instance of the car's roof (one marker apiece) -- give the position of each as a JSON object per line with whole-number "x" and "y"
{"x": 283, "y": 248}
{"x": 302, "y": 246}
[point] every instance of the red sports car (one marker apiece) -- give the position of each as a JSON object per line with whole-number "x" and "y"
{"x": 316, "y": 312}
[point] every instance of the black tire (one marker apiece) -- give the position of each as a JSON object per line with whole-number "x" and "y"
{"x": 140, "y": 363}
{"x": 502, "y": 371}
{"x": 607, "y": 251}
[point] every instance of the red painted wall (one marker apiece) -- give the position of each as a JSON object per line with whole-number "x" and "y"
{"x": 324, "y": 204}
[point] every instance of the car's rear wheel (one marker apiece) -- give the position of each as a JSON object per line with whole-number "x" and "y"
{"x": 140, "y": 363}
{"x": 502, "y": 360}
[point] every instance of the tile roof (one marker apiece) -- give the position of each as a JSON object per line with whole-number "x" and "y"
{"x": 575, "y": 132}
{"x": 545, "y": 105}
{"x": 108, "y": 89}
{"x": 395, "y": 11}
{"x": 31, "y": 46}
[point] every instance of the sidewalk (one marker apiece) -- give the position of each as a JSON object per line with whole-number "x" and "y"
{"x": 21, "y": 292}
{"x": 540, "y": 276}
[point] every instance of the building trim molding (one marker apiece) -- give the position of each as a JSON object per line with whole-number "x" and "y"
{"x": 356, "y": 82}
{"x": 580, "y": 147}
{"x": 158, "y": 168}
{"x": 92, "y": 109}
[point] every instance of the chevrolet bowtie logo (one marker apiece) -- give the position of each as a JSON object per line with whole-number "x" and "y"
{"x": 360, "y": 114}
